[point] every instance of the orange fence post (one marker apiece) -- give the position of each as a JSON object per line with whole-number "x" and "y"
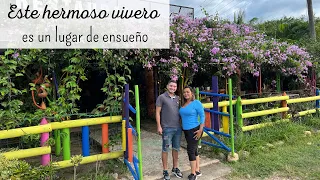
{"x": 105, "y": 138}
{"x": 130, "y": 145}
{"x": 208, "y": 120}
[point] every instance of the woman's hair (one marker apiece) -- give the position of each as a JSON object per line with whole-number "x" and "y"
{"x": 192, "y": 91}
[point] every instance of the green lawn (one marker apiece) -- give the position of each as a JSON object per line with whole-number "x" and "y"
{"x": 281, "y": 151}
{"x": 298, "y": 159}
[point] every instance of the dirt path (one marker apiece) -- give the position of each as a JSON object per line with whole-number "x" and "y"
{"x": 151, "y": 155}
{"x": 152, "y": 165}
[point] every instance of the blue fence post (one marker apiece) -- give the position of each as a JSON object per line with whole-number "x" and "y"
{"x": 126, "y": 111}
{"x": 214, "y": 117}
{"x": 317, "y": 102}
{"x": 85, "y": 141}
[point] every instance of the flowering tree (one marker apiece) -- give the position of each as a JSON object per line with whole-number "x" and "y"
{"x": 199, "y": 44}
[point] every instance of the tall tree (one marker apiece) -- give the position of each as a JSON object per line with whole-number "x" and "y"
{"x": 311, "y": 20}
{"x": 150, "y": 93}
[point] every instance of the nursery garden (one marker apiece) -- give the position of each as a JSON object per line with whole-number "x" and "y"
{"x": 263, "y": 61}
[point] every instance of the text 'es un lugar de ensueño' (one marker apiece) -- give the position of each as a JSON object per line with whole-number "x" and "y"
{"x": 91, "y": 37}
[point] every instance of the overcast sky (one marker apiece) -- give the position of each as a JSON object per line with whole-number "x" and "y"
{"x": 262, "y": 9}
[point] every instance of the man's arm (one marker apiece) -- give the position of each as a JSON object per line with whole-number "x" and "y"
{"x": 158, "y": 110}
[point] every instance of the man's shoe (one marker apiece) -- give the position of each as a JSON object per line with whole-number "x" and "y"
{"x": 177, "y": 172}
{"x": 198, "y": 173}
{"x": 166, "y": 175}
{"x": 192, "y": 177}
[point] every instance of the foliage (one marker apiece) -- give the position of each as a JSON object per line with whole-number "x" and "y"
{"x": 116, "y": 64}
{"x": 294, "y": 30}
{"x": 60, "y": 73}
{"x": 107, "y": 170}
{"x": 196, "y": 45}
{"x": 75, "y": 160}
{"x": 30, "y": 141}
{"x": 17, "y": 169}
{"x": 286, "y": 29}
{"x": 200, "y": 45}
{"x": 280, "y": 151}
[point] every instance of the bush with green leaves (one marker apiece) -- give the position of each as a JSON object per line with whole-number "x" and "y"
{"x": 20, "y": 169}
{"x": 19, "y": 69}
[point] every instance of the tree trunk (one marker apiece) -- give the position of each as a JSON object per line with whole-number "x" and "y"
{"x": 260, "y": 82}
{"x": 150, "y": 92}
{"x": 311, "y": 20}
{"x": 239, "y": 82}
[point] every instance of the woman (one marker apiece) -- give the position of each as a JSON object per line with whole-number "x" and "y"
{"x": 193, "y": 129}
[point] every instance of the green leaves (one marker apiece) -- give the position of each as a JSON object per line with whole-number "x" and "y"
{"x": 20, "y": 169}
{"x": 18, "y": 69}
{"x": 83, "y": 78}
{"x": 8, "y": 52}
{"x": 19, "y": 74}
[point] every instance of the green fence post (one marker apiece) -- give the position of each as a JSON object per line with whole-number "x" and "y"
{"x": 57, "y": 142}
{"x": 198, "y": 98}
{"x": 197, "y": 93}
{"x": 239, "y": 112}
{"x": 231, "y": 115}
{"x": 136, "y": 88}
{"x": 66, "y": 144}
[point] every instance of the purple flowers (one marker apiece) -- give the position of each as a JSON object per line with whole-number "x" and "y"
{"x": 215, "y": 50}
{"x": 15, "y": 55}
{"x": 176, "y": 48}
{"x": 196, "y": 46}
{"x": 308, "y": 63}
{"x": 174, "y": 77}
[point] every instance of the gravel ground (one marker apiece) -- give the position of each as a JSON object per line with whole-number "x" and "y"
{"x": 152, "y": 165}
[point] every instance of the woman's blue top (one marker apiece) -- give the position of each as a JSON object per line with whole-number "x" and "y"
{"x": 190, "y": 114}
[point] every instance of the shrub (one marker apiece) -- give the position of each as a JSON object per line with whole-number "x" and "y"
{"x": 20, "y": 169}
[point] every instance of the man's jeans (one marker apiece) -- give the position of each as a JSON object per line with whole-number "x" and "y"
{"x": 171, "y": 136}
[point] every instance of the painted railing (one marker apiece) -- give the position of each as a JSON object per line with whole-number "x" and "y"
{"x": 46, "y": 128}
{"x": 284, "y": 109}
{"x": 212, "y": 123}
{"x": 134, "y": 164}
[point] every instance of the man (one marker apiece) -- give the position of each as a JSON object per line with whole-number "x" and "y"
{"x": 169, "y": 126}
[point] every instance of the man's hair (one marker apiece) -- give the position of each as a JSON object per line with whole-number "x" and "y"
{"x": 172, "y": 81}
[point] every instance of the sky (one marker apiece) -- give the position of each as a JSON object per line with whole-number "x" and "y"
{"x": 262, "y": 9}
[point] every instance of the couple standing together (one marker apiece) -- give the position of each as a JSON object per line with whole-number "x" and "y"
{"x": 170, "y": 116}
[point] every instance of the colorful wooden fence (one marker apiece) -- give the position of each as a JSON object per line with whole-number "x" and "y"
{"x": 46, "y": 128}
{"x": 239, "y": 103}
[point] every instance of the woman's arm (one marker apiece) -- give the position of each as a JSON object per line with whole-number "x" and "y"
{"x": 200, "y": 110}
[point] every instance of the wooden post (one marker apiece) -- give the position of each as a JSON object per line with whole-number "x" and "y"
{"x": 208, "y": 120}
{"x": 225, "y": 120}
{"x": 45, "y": 159}
{"x": 284, "y": 104}
{"x": 214, "y": 117}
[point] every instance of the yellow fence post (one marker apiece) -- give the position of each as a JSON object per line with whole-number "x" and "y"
{"x": 284, "y": 104}
{"x": 225, "y": 120}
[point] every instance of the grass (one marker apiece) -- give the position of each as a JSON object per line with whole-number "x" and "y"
{"x": 290, "y": 160}
{"x": 279, "y": 151}
{"x": 105, "y": 172}
{"x": 282, "y": 149}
